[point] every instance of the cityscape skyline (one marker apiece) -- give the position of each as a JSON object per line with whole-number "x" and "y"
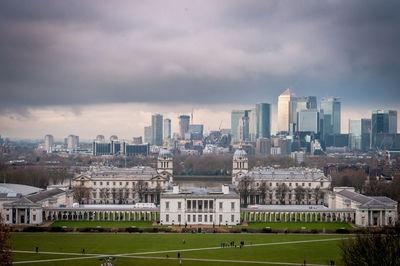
{"x": 65, "y": 66}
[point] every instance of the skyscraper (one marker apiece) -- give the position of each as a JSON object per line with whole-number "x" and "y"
{"x": 252, "y": 124}
{"x": 184, "y": 121}
{"x": 354, "y": 134}
{"x": 156, "y": 129}
{"x": 147, "y": 134}
{"x": 167, "y": 128}
{"x": 286, "y": 111}
{"x": 49, "y": 143}
{"x": 72, "y": 142}
{"x": 244, "y": 128}
{"x": 383, "y": 122}
{"x": 237, "y": 122}
{"x": 308, "y": 121}
{"x": 331, "y": 109}
{"x": 263, "y": 118}
{"x": 306, "y": 103}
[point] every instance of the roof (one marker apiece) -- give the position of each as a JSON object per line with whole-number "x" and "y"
{"x": 13, "y": 189}
{"x": 45, "y": 195}
{"x": 294, "y": 208}
{"x": 22, "y": 202}
{"x": 240, "y": 153}
{"x": 136, "y": 173}
{"x": 366, "y": 201}
{"x": 165, "y": 153}
{"x": 290, "y": 173}
{"x": 288, "y": 92}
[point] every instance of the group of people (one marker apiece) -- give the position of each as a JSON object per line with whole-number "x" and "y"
{"x": 231, "y": 244}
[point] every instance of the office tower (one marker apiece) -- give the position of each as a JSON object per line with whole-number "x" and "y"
{"x": 286, "y": 111}
{"x": 244, "y": 128}
{"x": 306, "y": 103}
{"x": 167, "y": 128}
{"x": 354, "y": 135}
{"x": 196, "y": 132}
{"x": 156, "y": 129}
{"x": 237, "y": 122}
{"x": 331, "y": 109}
{"x": 263, "y": 146}
{"x": 73, "y": 142}
{"x": 365, "y": 134}
{"x": 252, "y": 124}
{"x": 263, "y": 118}
{"x": 382, "y": 122}
{"x": 308, "y": 121}
{"x": 184, "y": 121}
{"x": 49, "y": 143}
{"x": 147, "y": 134}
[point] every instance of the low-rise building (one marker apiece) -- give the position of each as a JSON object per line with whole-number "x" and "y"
{"x": 200, "y": 207}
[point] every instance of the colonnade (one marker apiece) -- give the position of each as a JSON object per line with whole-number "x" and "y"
{"x": 297, "y": 216}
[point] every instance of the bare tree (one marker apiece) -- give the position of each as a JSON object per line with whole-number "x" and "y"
{"x": 81, "y": 194}
{"x": 281, "y": 192}
{"x": 263, "y": 191}
{"x": 5, "y": 247}
{"x": 245, "y": 187}
{"x": 104, "y": 194}
{"x": 299, "y": 194}
{"x": 141, "y": 189}
{"x": 317, "y": 194}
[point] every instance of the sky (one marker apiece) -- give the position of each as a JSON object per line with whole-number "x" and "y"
{"x": 103, "y": 67}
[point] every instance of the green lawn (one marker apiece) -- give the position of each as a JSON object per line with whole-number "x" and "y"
{"x": 108, "y": 243}
{"x": 299, "y": 225}
{"x": 104, "y": 224}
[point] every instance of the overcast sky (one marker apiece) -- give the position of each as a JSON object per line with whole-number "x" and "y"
{"x": 103, "y": 67}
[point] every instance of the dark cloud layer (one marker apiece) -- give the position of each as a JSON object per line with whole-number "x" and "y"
{"x": 86, "y": 52}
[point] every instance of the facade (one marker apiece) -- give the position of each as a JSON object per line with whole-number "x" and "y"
{"x": 306, "y": 103}
{"x": 308, "y": 120}
{"x": 369, "y": 211}
{"x": 331, "y": 107}
{"x": 167, "y": 128}
{"x": 286, "y": 111}
{"x": 382, "y": 122}
{"x": 359, "y": 134}
{"x": 195, "y": 132}
{"x": 263, "y": 120}
{"x": 109, "y": 185}
{"x": 184, "y": 122}
{"x": 73, "y": 142}
{"x": 49, "y": 143}
{"x": 147, "y": 135}
{"x": 263, "y": 146}
{"x": 237, "y": 121}
{"x": 157, "y": 129}
{"x": 116, "y": 147}
{"x": 200, "y": 207}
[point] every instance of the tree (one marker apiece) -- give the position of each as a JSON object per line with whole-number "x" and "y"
{"x": 5, "y": 247}
{"x": 263, "y": 191}
{"x": 372, "y": 249}
{"x": 81, "y": 193}
{"x": 245, "y": 188}
{"x": 299, "y": 194}
{"x": 281, "y": 192}
{"x": 141, "y": 189}
{"x": 317, "y": 194}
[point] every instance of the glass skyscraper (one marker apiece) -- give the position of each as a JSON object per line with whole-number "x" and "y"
{"x": 263, "y": 120}
{"x": 237, "y": 122}
{"x": 286, "y": 111}
{"x": 331, "y": 109}
{"x": 167, "y": 128}
{"x": 156, "y": 130}
{"x": 383, "y": 122}
{"x": 308, "y": 121}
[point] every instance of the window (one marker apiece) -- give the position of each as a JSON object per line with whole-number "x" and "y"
{"x": 220, "y": 218}
{"x": 200, "y": 205}
{"x": 179, "y": 218}
{"x": 211, "y": 204}
{"x": 194, "y": 204}
{"x": 34, "y": 217}
{"x": 232, "y": 218}
{"x": 206, "y": 204}
{"x": 189, "y": 204}
{"x": 94, "y": 183}
{"x": 322, "y": 184}
{"x": 270, "y": 184}
{"x": 232, "y": 205}
{"x": 290, "y": 184}
{"x": 257, "y": 184}
{"x": 101, "y": 183}
{"x": 309, "y": 184}
{"x": 114, "y": 183}
{"x": 200, "y": 218}
{"x": 194, "y": 218}
{"x": 277, "y": 184}
{"x": 127, "y": 183}
{"x": 205, "y": 218}
{"x": 220, "y": 205}
{"x": 302, "y": 184}
{"x": 297, "y": 184}
{"x": 8, "y": 217}
{"x": 179, "y": 205}
{"x": 108, "y": 183}
{"x": 167, "y": 217}
{"x": 167, "y": 205}
{"x": 120, "y": 183}
{"x": 188, "y": 218}
{"x": 211, "y": 218}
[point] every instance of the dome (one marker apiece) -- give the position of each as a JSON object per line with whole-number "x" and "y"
{"x": 164, "y": 153}
{"x": 239, "y": 154}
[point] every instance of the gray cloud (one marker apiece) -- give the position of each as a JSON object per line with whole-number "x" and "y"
{"x": 81, "y": 52}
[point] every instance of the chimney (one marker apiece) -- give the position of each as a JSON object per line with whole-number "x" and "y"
{"x": 175, "y": 189}
{"x": 225, "y": 189}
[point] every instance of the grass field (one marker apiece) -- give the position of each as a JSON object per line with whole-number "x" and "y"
{"x": 104, "y": 224}
{"x": 273, "y": 248}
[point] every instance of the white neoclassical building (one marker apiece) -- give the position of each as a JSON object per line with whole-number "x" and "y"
{"x": 200, "y": 207}
{"x": 112, "y": 185}
{"x": 368, "y": 210}
{"x": 267, "y": 185}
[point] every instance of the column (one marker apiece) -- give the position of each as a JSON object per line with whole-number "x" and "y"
{"x": 380, "y": 218}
